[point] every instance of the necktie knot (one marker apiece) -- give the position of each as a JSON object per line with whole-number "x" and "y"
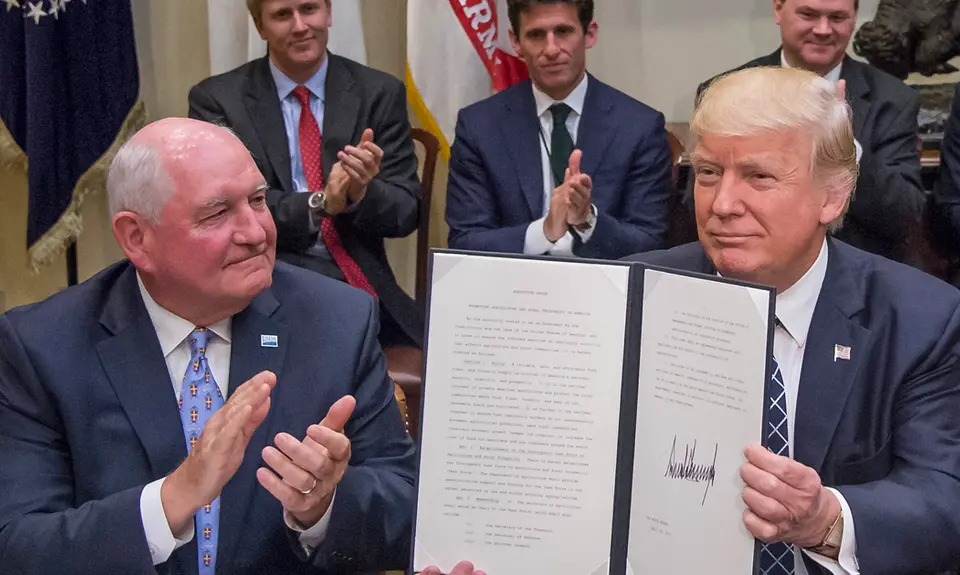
{"x": 560, "y": 113}
{"x": 302, "y": 94}
{"x": 198, "y": 342}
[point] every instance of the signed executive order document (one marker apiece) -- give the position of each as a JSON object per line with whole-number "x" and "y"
{"x": 587, "y": 418}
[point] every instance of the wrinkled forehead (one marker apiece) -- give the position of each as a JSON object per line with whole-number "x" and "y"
{"x": 781, "y": 150}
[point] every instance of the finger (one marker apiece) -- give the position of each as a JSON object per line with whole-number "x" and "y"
{"x": 842, "y": 89}
{"x": 253, "y": 390}
{"x": 787, "y": 470}
{"x": 355, "y": 175}
{"x": 764, "y": 507}
{"x": 307, "y": 454}
{"x": 763, "y": 481}
{"x": 432, "y": 570}
{"x": 257, "y": 417}
{"x": 293, "y": 474}
{"x": 762, "y": 530}
{"x": 586, "y": 182}
{"x": 350, "y": 161}
{"x": 367, "y": 137}
{"x": 366, "y": 157}
{"x": 339, "y": 413}
{"x": 373, "y": 149}
{"x": 336, "y": 445}
{"x": 463, "y": 568}
{"x": 288, "y": 497}
{"x": 574, "y": 162}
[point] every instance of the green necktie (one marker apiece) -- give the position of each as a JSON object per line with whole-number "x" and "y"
{"x": 561, "y": 144}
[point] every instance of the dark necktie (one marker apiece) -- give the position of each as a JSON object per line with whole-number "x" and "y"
{"x": 310, "y": 156}
{"x": 561, "y": 144}
{"x": 777, "y": 558}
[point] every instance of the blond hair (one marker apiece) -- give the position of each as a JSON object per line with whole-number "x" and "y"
{"x": 753, "y": 101}
{"x": 255, "y": 7}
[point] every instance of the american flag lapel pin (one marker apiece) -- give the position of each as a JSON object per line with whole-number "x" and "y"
{"x": 841, "y": 352}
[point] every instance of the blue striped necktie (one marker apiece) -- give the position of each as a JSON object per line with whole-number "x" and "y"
{"x": 199, "y": 399}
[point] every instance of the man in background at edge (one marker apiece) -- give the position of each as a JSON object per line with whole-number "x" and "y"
{"x": 889, "y": 198}
{"x": 866, "y": 351}
{"x": 129, "y": 438}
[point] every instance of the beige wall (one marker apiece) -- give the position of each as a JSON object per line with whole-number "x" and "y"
{"x": 655, "y": 50}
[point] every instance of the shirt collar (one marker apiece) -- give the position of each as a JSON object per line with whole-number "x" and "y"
{"x": 172, "y": 329}
{"x": 795, "y": 305}
{"x": 833, "y": 76}
{"x": 316, "y": 83}
{"x": 575, "y": 99}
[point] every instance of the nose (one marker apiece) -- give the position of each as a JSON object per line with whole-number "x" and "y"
{"x": 551, "y": 50}
{"x": 822, "y": 27}
{"x": 298, "y": 24}
{"x": 727, "y": 200}
{"x": 249, "y": 230}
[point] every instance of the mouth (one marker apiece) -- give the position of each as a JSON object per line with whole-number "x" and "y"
{"x": 246, "y": 259}
{"x": 730, "y": 239}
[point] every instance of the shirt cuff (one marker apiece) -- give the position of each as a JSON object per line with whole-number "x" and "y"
{"x": 160, "y": 539}
{"x": 536, "y": 243}
{"x": 563, "y": 247}
{"x": 311, "y": 538}
{"x": 846, "y": 563}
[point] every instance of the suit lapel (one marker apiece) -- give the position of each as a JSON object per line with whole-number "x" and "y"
{"x": 598, "y": 127}
{"x": 263, "y": 105}
{"x": 825, "y": 382}
{"x": 858, "y": 93}
{"x": 136, "y": 369}
{"x": 248, "y": 356}
{"x": 521, "y": 132}
{"x": 341, "y": 112}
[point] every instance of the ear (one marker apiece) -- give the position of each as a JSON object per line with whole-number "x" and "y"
{"x": 591, "y": 36}
{"x": 515, "y": 42}
{"x": 777, "y": 7}
{"x": 135, "y": 237}
{"x": 329, "y": 21}
{"x": 835, "y": 203}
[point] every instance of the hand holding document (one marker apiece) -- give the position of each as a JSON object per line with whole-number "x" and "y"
{"x": 587, "y": 417}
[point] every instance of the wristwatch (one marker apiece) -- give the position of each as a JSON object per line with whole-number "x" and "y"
{"x": 317, "y": 202}
{"x": 830, "y": 546}
{"x": 590, "y": 222}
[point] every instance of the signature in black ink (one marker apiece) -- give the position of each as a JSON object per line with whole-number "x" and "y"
{"x": 689, "y": 470}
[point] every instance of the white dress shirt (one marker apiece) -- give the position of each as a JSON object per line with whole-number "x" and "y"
{"x": 536, "y": 242}
{"x": 795, "y": 308}
{"x": 172, "y": 332}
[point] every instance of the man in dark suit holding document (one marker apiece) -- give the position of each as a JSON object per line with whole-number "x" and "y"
{"x": 862, "y": 467}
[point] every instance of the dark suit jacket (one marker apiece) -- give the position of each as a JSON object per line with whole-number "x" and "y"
{"x": 88, "y": 417}
{"x": 496, "y": 175}
{"x": 946, "y": 196}
{"x": 356, "y": 98}
{"x": 889, "y": 198}
{"x": 882, "y": 428}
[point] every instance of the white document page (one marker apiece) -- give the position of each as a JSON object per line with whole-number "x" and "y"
{"x": 521, "y": 411}
{"x": 703, "y": 356}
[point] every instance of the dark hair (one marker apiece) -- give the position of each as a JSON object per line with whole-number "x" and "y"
{"x": 517, "y": 7}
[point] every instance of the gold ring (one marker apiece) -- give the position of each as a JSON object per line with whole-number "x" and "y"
{"x": 309, "y": 491}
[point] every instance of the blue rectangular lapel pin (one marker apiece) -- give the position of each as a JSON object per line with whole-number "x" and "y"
{"x": 268, "y": 340}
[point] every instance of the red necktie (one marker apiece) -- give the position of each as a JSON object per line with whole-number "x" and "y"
{"x": 310, "y": 146}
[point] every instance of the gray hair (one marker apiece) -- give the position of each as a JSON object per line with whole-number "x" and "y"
{"x": 138, "y": 182}
{"x": 774, "y": 99}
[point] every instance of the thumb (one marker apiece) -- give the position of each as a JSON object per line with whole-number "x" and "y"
{"x": 339, "y": 413}
{"x": 574, "y": 163}
{"x": 842, "y": 89}
{"x": 367, "y": 137}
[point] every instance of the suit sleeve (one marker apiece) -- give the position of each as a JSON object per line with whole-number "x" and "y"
{"x": 946, "y": 196}
{"x": 472, "y": 212}
{"x": 41, "y": 531}
{"x": 889, "y": 195}
{"x": 909, "y": 522}
{"x": 391, "y": 207}
{"x": 372, "y": 518}
{"x": 290, "y": 211}
{"x": 642, "y": 223}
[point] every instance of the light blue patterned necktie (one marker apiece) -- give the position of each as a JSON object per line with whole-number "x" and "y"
{"x": 777, "y": 558}
{"x": 199, "y": 399}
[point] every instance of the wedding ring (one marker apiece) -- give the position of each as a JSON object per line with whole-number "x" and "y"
{"x": 309, "y": 491}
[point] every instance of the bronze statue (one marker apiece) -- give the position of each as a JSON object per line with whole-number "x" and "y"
{"x": 907, "y": 36}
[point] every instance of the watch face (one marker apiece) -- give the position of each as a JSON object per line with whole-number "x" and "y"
{"x": 316, "y": 200}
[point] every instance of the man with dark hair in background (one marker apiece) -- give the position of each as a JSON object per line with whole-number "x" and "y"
{"x": 562, "y": 164}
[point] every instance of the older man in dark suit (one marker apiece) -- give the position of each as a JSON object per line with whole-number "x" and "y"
{"x": 889, "y": 198}
{"x": 866, "y": 478}
{"x": 332, "y": 139}
{"x": 195, "y": 409}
